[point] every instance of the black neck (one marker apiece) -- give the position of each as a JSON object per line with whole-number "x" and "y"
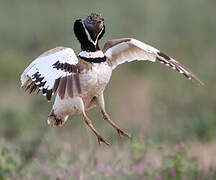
{"x": 94, "y": 60}
{"x": 86, "y": 44}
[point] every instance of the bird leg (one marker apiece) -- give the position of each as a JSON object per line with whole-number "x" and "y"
{"x": 81, "y": 107}
{"x": 120, "y": 131}
{"x": 101, "y": 105}
{"x": 89, "y": 123}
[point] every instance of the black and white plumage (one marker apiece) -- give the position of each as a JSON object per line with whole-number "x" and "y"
{"x": 129, "y": 49}
{"x": 52, "y": 71}
{"x": 80, "y": 80}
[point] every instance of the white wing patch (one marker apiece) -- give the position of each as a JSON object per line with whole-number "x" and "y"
{"x": 51, "y": 71}
{"x": 126, "y": 50}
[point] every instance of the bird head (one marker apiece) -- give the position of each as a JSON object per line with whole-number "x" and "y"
{"x": 94, "y": 23}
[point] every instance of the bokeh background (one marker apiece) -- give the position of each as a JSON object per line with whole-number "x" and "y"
{"x": 164, "y": 112}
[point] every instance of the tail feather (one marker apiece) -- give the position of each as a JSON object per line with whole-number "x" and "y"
{"x": 56, "y": 121}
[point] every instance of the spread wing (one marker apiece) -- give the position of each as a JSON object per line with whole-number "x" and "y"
{"x": 126, "y": 50}
{"x": 54, "y": 70}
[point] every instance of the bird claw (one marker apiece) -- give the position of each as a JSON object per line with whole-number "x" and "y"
{"x": 102, "y": 139}
{"x": 122, "y": 133}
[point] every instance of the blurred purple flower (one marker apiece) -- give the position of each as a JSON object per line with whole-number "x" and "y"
{"x": 139, "y": 168}
{"x": 14, "y": 175}
{"x": 36, "y": 158}
{"x": 46, "y": 170}
{"x": 148, "y": 162}
{"x": 141, "y": 136}
{"x": 91, "y": 175}
{"x": 203, "y": 169}
{"x": 56, "y": 174}
{"x": 108, "y": 170}
{"x": 182, "y": 144}
{"x": 172, "y": 171}
{"x": 75, "y": 171}
{"x": 158, "y": 177}
{"x": 125, "y": 171}
{"x": 117, "y": 168}
{"x": 28, "y": 175}
{"x": 193, "y": 154}
{"x": 105, "y": 169}
{"x": 73, "y": 168}
{"x": 101, "y": 167}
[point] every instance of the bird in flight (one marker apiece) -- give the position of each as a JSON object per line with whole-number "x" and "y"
{"x": 79, "y": 81}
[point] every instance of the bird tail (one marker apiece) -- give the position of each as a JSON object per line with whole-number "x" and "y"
{"x": 56, "y": 121}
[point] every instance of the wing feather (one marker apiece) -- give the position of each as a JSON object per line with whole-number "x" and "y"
{"x": 126, "y": 50}
{"x": 70, "y": 86}
{"x": 49, "y": 72}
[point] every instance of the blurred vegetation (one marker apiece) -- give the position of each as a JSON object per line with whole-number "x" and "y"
{"x": 151, "y": 99}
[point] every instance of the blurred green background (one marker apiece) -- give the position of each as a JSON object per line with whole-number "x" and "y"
{"x": 143, "y": 98}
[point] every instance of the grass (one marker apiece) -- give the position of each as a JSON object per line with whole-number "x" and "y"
{"x": 30, "y": 149}
{"x": 139, "y": 158}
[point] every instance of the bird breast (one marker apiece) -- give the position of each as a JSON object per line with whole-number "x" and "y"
{"x": 94, "y": 80}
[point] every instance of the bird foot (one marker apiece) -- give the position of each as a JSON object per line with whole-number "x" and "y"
{"x": 123, "y": 133}
{"x": 103, "y": 140}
